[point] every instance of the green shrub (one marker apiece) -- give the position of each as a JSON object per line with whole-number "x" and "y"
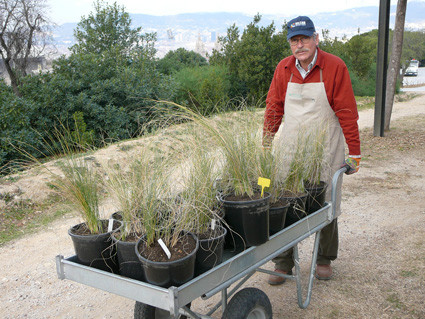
{"x": 178, "y": 59}
{"x": 364, "y": 86}
{"x": 205, "y": 89}
{"x": 113, "y": 96}
{"x": 16, "y": 133}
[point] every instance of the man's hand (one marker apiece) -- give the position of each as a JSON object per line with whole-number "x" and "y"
{"x": 354, "y": 164}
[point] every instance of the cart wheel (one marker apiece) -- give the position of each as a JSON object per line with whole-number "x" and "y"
{"x": 249, "y": 303}
{"x": 143, "y": 311}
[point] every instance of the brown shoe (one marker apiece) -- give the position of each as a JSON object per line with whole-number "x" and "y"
{"x": 277, "y": 280}
{"x": 323, "y": 272}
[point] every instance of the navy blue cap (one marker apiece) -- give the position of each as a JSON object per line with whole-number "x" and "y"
{"x": 300, "y": 25}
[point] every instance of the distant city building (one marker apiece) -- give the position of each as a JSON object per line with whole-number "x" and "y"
{"x": 200, "y": 46}
{"x": 170, "y": 34}
{"x": 213, "y": 36}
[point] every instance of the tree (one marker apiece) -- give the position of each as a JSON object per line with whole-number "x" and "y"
{"x": 111, "y": 88}
{"x": 360, "y": 51}
{"x": 23, "y": 30}
{"x": 252, "y": 58}
{"x": 176, "y": 60}
{"x": 394, "y": 65}
{"x": 259, "y": 52}
{"x": 227, "y": 52}
{"x": 333, "y": 46}
{"x": 108, "y": 29}
{"x": 413, "y": 47}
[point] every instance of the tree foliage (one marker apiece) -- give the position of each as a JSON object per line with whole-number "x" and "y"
{"x": 252, "y": 57}
{"x": 108, "y": 28}
{"x": 205, "y": 89}
{"x": 259, "y": 51}
{"x": 106, "y": 88}
{"x": 413, "y": 47}
{"x": 334, "y": 46}
{"x": 15, "y": 125}
{"x": 178, "y": 59}
{"x": 361, "y": 50}
{"x": 102, "y": 92}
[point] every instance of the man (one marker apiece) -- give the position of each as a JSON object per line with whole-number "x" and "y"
{"x": 312, "y": 87}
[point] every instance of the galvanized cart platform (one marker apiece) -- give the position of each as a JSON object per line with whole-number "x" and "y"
{"x": 156, "y": 302}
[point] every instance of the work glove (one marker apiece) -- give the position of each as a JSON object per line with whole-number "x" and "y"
{"x": 353, "y": 164}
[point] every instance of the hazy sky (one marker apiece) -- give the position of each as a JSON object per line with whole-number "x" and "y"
{"x": 71, "y": 11}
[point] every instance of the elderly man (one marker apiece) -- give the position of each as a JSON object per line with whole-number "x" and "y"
{"x": 311, "y": 87}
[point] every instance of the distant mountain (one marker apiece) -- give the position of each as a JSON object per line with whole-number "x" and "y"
{"x": 184, "y": 30}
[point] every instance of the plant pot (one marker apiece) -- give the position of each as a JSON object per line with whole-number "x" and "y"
{"x": 96, "y": 250}
{"x": 316, "y": 197}
{"x": 128, "y": 262}
{"x": 167, "y": 273}
{"x": 210, "y": 252}
{"x": 247, "y": 220}
{"x": 296, "y": 209}
{"x": 277, "y": 217}
{"x": 116, "y": 216}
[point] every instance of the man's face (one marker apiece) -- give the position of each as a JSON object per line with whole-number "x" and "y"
{"x": 304, "y": 47}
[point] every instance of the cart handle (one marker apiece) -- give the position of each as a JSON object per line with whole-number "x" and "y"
{"x": 335, "y": 180}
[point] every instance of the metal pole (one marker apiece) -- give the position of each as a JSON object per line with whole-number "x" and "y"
{"x": 381, "y": 67}
{"x": 382, "y": 64}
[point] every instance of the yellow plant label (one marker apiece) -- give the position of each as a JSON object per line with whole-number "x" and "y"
{"x": 263, "y": 182}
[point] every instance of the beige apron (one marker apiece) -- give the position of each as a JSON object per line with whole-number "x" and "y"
{"x": 306, "y": 106}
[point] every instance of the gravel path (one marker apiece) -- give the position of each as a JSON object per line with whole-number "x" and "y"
{"x": 379, "y": 272}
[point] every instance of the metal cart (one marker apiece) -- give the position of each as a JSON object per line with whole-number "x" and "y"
{"x": 156, "y": 302}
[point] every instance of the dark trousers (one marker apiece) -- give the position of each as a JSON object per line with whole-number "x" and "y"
{"x": 328, "y": 249}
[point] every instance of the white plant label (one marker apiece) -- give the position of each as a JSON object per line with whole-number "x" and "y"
{"x": 110, "y": 225}
{"x": 213, "y": 224}
{"x": 164, "y": 248}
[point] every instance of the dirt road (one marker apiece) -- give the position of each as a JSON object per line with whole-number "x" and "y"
{"x": 380, "y": 271}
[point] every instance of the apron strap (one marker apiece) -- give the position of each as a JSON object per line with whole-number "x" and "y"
{"x": 321, "y": 77}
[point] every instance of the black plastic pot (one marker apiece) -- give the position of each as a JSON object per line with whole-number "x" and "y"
{"x": 210, "y": 252}
{"x": 248, "y": 222}
{"x": 316, "y": 197}
{"x": 116, "y": 216}
{"x": 296, "y": 209}
{"x": 129, "y": 264}
{"x": 168, "y": 273}
{"x": 277, "y": 217}
{"x": 96, "y": 250}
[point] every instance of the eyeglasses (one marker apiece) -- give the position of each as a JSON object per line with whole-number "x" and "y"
{"x": 303, "y": 40}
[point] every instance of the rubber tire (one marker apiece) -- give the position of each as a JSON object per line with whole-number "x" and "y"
{"x": 249, "y": 303}
{"x": 143, "y": 311}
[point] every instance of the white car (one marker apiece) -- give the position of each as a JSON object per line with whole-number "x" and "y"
{"x": 411, "y": 71}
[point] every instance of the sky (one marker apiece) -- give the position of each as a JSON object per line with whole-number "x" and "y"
{"x": 62, "y": 11}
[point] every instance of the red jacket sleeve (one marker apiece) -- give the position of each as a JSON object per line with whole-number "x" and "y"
{"x": 275, "y": 102}
{"x": 345, "y": 107}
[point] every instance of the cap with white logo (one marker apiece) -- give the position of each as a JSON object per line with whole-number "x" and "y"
{"x": 301, "y": 25}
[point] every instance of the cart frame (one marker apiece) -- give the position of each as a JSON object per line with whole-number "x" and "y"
{"x": 239, "y": 267}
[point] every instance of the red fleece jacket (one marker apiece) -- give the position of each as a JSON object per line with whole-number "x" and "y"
{"x": 338, "y": 90}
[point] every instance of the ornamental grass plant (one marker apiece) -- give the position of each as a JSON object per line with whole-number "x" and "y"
{"x": 295, "y": 156}
{"x": 80, "y": 186}
{"x": 199, "y": 181}
{"x": 158, "y": 209}
{"x": 271, "y": 164}
{"x": 78, "y": 178}
{"x": 315, "y": 143}
{"x": 237, "y": 139}
{"x": 129, "y": 189}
